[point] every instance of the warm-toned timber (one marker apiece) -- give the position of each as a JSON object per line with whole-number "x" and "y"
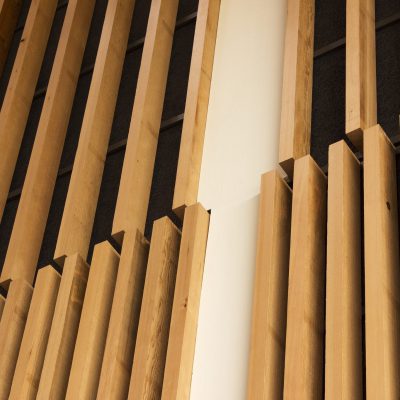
{"x": 64, "y": 329}
{"x": 21, "y": 87}
{"x": 295, "y": 131}
{"x": 124, "y": 319}
{"x": 137, "y": 171}
{"x": 305, "y": 332}
{"x": 34, "y": 342}
{"x": 9, "y": 13}
{"x": 89, "y": 348}
{"x": 80, "y": 207}
{"x": 268, "y": 332}
{"x": 2, "y": 303}
{"x": 343, "y": 347}
{"x": 360, "y": 69}
{"x": 12, "y": 327}
{"x": 185, "y": 309}
{"x": 382, "y": 295}
{"x": 30, "y": 222}
{"x": 194, "y": 123}
{"x": 155, "y": 316}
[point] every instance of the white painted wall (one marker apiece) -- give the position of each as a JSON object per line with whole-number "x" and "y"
{"x": 241, "y": 143}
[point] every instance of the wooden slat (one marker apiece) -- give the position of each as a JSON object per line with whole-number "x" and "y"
{"x": 2, "y": 303}
{"x": 194, "y": 123}
{"x": 34, "y": 342}
{"x": 360, "y": 69}
{"x": 185, "y": 309}
{"x": 80, "y": 207}
{"x": 137, "y": 171}
{"x": 9, "y": 13}
{"x": 155, "y": 316}
{"x": 343, "y": 348}
{"x": 93, "y": 326}
{"x": 121, "y": 338}
{"x": 64, "y": 329}
{"x": 30, "y": 222}
{"x": 305, "y": 332}
{"x": 268, "y": 332}
{"x": 382, "y": 294}
{"x": 295, "y": 131}
{"x": 21, "y": 87}
{"x": 12, "y": 327}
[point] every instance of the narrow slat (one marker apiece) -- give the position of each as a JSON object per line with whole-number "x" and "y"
{"x": 34, "y": 342}
{"x": 30, "y": 222}
{"x": 64, "y": 329}
{"x": 361, "y": 107}
{"x": 305, "y": 332}
{"x": 9, "y": 13}
{"x": 80, "y": 207}
{"x": 93, "y": 326}
{"x": 21, "y": 88}
{"x": 382, "y": 295}
{"x": 155, "y": 316}
{"x": 12, "y": 327}
{"x": 124, "y": 320}
{"x": 194, "y": 123}
{"x": 295, "y": 131}
{"x": 343, "y": 348}
{"x": 185, "y": 309}
{"x": 2, "y": 303}
{"x": 137, "y": 171}
{"x": 268, "y": 332}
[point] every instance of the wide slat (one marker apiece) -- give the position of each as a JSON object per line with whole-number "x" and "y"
{"x": 12, "y": 327}
{"x": 185, "y": 309}
{"x": 361, "y": 107}
{"x": 121, "y": 338}
{"x": 34, "y": 342}
{"x": 295, "y": 132}
{"x": 268, "y": 332}
{"x": 21, "y": 87}
{"x": 9, "y": 13}
{"x": 137, "y": 171}
{"x": 382, "y": 294}
{"x": 305, "y": 333}
{"x": 155, "y": 316}
{"x": 64, "y": 329}
{"x": 89, "y": 348}
{"x": 194, "y": 123}
{"x": 30, "y": 222}
{"x": 343, "y": 348}
{"x": 80, "y": 207}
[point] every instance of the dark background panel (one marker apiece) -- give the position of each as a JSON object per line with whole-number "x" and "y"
{"x": 6, "y": 225}
{"x": 386, "y": 8}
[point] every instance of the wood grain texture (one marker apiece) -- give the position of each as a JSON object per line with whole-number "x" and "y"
{"x": 196, "y": 108}
{"x": 155, "y": 316}
{"x": 124, "y": 320}
{"x": 80, "y": 207}
{"x": 34, "y": 205}
{"x": 361, "y": 99}
{"x": 9, "y": 13}
{"x": 36, "y": 334}
{"x": 268, "y": 329}
{"x": 343, "y": 343}
{"x": 89, "y": 348}
{"x": 21, "y": 87}
{"x": 305, "y": 333}
{"x": 12, "y": 327}
{"x": 382, "y": 295}
{"x": 295, "y": 131}
{"x": 2, "y": 303}
{"x": 64, "y": 329}
{"x": 185, "y": 309}
{"x": 137, "y": 170}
